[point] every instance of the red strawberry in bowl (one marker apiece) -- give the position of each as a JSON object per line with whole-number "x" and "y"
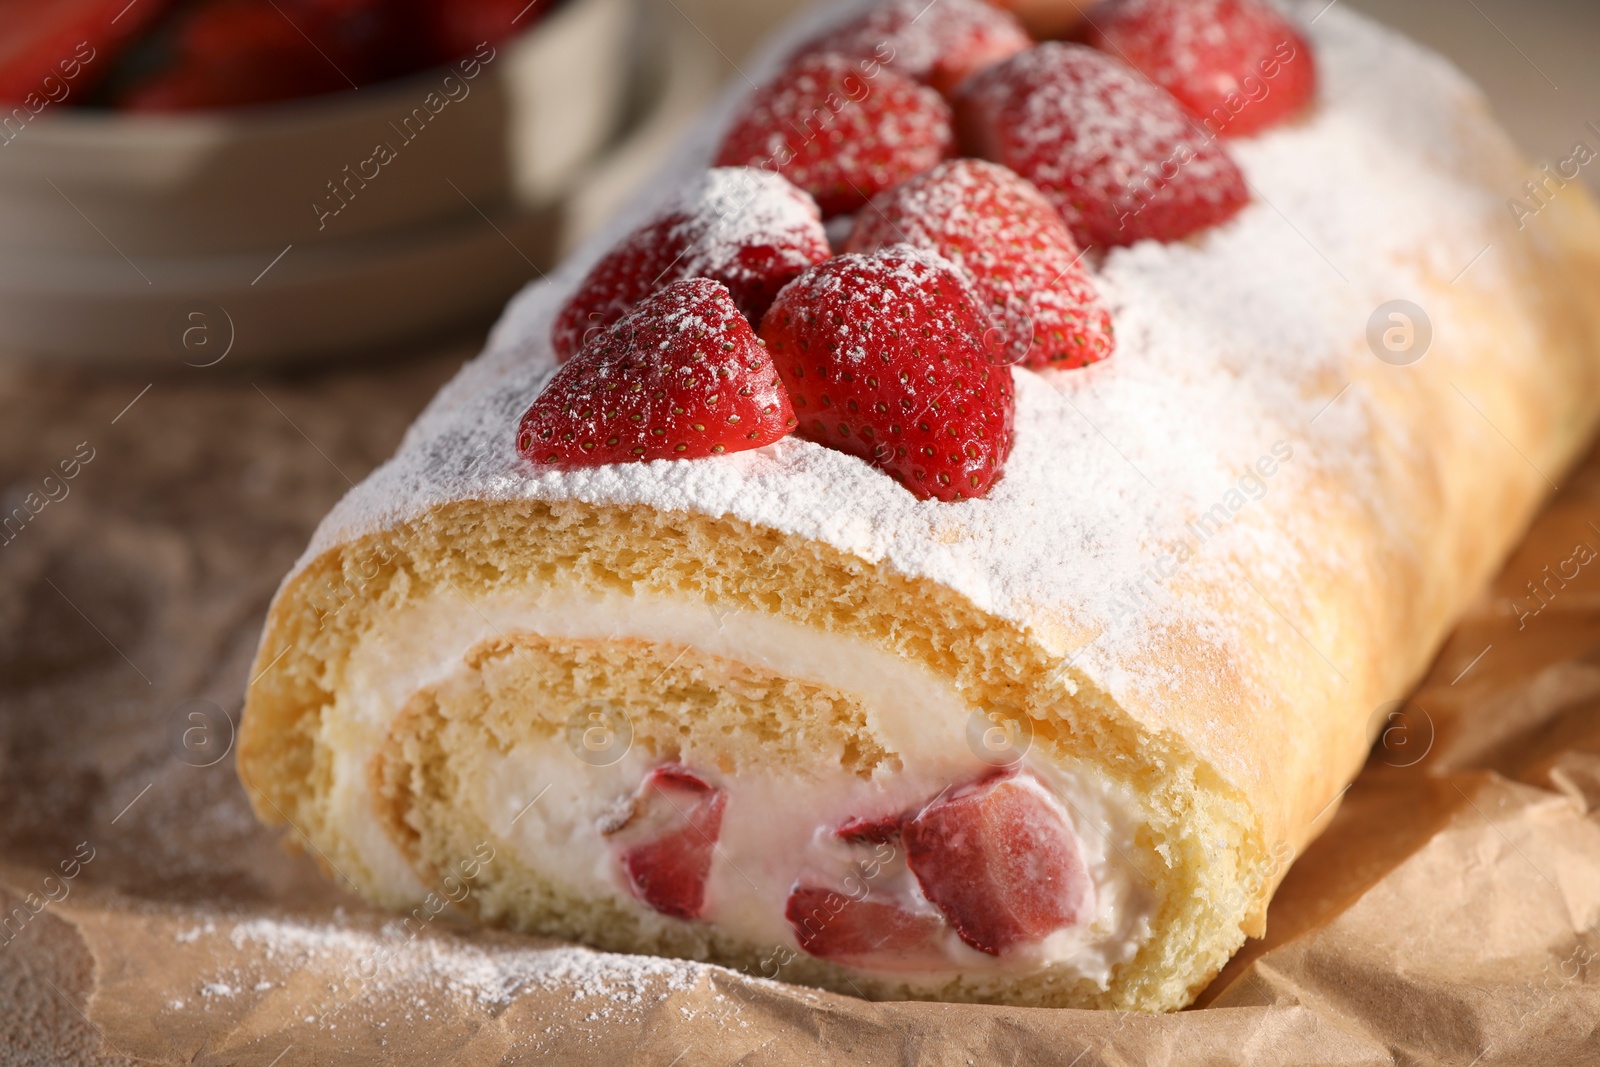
{"x": 1114, "y": 153}
{"x": 1238, "y": 66}
{"x": 838, "y": 133}
{"x": 1000, "y": 860}
{"x": 883, "y": 356}
{"x": 74, "y": 43}
{"x": 746, "y": 228}
{"x": 667, "y": 839}
{"x": 1022, "y": 260}
{"x": 938, "y": 44}
{"x": 681, "y": 376}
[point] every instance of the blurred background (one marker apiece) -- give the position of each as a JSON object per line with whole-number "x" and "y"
{"x": 242, "y": 243}
{"x": 291, "y": 180}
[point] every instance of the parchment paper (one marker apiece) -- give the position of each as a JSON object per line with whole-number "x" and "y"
{"x": 1447, "y": 916}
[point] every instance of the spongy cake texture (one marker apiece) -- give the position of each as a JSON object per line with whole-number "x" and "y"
{"x": 1212, "y": 558}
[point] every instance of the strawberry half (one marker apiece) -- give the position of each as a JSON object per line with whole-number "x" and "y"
{"x": 1114, "y": 153}
{"x": 1000, "y": 860}
{"x": 939, "y": 44}
{"x": 867, "y": 932}
{"x": 870, "y": 831}
{"x": 681, "y": 376}
{"x": 746, "y": 228}
{"x": 667, "y": 841}
{"x": 1044, "y": 310}
{"x": 1237, "y": 65}
{"x": 838, "y": 133}
{"x": 883, "y": 358}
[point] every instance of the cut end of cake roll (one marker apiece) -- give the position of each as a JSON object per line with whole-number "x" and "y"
{"x": 697, "y": 737}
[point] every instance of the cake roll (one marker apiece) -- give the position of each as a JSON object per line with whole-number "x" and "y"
{"x": 1050, "y": 736}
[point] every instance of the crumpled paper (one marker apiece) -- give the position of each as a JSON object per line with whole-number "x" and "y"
{"x": 1447, "y": 916}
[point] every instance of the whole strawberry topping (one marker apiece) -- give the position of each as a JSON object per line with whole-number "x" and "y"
{"x": 667, "y": 840}
{"x": 1237, "y": 65}
{"x": 937, "y": 44}
{"x": 746, "y": 228}
{"x": 1044, "y": 310}
{"x": 1000, "y": 860}
{"x": 879, "y": 934}
{"x": 1114, "y": 153}
{"x": 883, "y": 357}
{"x": 838, "y": 133}
{"x": 679, "y": 377}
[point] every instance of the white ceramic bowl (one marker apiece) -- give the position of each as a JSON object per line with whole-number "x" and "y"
{"x": 288, "y": 232}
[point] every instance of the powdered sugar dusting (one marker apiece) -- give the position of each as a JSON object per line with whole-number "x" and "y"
{"x": 389, "y": 959}
{"x": 1228, "y": 344}
{"x": 732, "y": 209}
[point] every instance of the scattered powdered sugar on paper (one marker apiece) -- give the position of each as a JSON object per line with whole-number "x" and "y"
{"x": 1227, "y": 343}
{"x": 389, "y": 960}
{"x": 359, "y": 978}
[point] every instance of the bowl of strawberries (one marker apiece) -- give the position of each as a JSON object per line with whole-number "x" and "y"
{"x": 267, "y": 180}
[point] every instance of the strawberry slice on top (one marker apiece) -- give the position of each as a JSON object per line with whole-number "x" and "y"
{"x": 938, "y": 44}
{"x": 1116, "y": 154}
{"x": 1238, "y": 66}
{"x": 1000, "y": 859}
{"x": 884, "y": 359}
{"x": 746, "y": 228}
{"x": 681, "y": 376}
{"x": 668, "y": 838}
{"x": 1044, "y": 309}
{"x": 837, "y": 133}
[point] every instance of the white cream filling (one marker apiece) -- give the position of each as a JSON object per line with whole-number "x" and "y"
{"x": 776, "y": 829}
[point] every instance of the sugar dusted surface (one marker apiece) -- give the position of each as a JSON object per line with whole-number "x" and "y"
{"x": 1227, "y": 343}
{"x": 394, "y": 958}
{"x": 728, "y": 210}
